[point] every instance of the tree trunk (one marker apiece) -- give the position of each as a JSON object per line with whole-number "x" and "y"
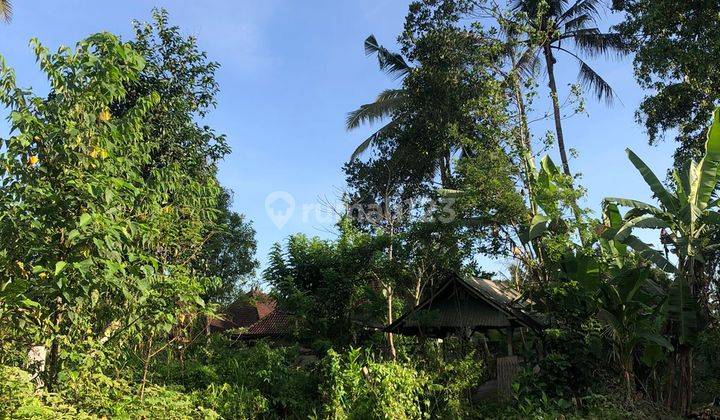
{"x": 629, "y": 376}
{"x": 391, "y": 341}
{"x": 525, "y": 144}
{"x": 550, "y": 62}
{"x": 683, "y": 395}
{"x": 389, "y": 297}
{"x": 54, "y": 359}
{"x": 146, "y": 365}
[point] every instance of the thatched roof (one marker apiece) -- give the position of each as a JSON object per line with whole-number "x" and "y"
{"x": 467, "y": 303}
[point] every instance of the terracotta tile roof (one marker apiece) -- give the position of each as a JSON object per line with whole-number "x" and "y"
{"x": 276, "y": 324}
{"x": 249, "y": 309}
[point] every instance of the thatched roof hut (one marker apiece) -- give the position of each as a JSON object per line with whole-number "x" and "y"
{"x": 464, "y": 304}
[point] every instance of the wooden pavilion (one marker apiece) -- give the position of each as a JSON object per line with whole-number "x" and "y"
{"x": 462, "y": 303}
{"x": 466, "y": 305}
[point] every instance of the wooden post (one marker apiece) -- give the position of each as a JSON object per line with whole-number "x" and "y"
{"x": 509, "y": 341}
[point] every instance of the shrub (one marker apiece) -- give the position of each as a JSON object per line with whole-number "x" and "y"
{"x": 453, "y": 384}
{"x": 358, "y": 387}
{"x": 233, "y": 401}
{"x": 265, "y": 378}
{"x": 18, "y": 399}
{"x": 103, "y": 396}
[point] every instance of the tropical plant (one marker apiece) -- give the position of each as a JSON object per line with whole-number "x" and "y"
{"x": 386, "y": 103}
{"x": 670, "y": 40}
{"x": 554, "y": 23}
{"x": 90, "y": 246}
{"x": 629, "y": 308}
{"x": 687, "y": 216}
{"x": 6, "y": 10}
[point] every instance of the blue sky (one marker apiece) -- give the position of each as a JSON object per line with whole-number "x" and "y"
{"x": 290, "y": 72}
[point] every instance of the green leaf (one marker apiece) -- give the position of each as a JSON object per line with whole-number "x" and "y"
{"x": 549, "y": 166}
{"x": 646, "y": 221}
{"x": 635, "y": 204}
{"x": 650, "y": 254}
{"x": 682, "y": 311}
{"x": 707, "y": 173}
{"x": 72, "y": 236}
{"x": 666, "y": 197}
{"x": 59, "y": 267}
{"x": 538, "y": 226}
{"x": 611, "y": 215}
{"x": 84, "y": 219}
{"x": 656, "y": 339}
{"x": 28, "y": 303}
{"x": 682, "y": 185}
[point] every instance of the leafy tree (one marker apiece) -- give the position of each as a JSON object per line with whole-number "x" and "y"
{"x": 687, "y": 215}
{"x": 672, "y": 41}
{"x": 184, "y": 78}
{"x": 229, "y": 254}
{"x": 328, "y": 283}
{"x": 88, "y": 242}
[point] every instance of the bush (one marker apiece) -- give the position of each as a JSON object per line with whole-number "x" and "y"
{"x": 358, "y": 387}
{"x": 265, "y": 379}
{"x": 18, "y": 399}
{"x": 233, "y": 401}
{"x": 103, "y": 396}
{"x": 454, "y": 382}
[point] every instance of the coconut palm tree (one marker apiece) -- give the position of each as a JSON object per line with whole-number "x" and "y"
{"x": 386, "y": 102}
{"x": 552, "y": 26}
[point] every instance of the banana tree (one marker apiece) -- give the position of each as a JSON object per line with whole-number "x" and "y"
{"x": 628, "y": 307}
{"x": 686, "y": 216}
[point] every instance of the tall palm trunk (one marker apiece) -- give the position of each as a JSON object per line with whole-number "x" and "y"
{"x": 550, "y": 63}
{"x": 525, "y": 145}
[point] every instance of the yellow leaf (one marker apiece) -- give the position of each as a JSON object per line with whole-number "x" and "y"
{"x": 33, "y": 160}
{"x": 104, "y": 115}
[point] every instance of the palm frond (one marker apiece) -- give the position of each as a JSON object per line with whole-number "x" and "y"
{"x": 589, "y": 8}
{"x": 529, "y": 62}
{"x": 368, "y": 142}
{"x": 590, "y": 79}
{"x": 390, "y": 62}
{"x": 532, "y": 7}
{"x": 593, "y": 43}
{"x": 384, "y": 105}
{"x": 577, "y": 23}
{"x": 6, "y": 10}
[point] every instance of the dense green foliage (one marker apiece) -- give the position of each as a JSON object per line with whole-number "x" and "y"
{"x": 671, "y": 41}
{"x": 119, "y": 248}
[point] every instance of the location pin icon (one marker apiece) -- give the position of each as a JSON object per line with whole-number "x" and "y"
{"x": 280, "y": 206}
